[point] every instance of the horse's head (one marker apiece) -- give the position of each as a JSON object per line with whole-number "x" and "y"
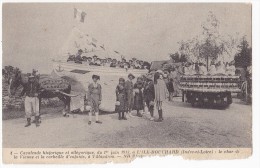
{"x": 14, "y": 82}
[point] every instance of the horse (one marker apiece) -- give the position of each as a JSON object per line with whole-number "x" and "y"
{"x": 18, "y": 81}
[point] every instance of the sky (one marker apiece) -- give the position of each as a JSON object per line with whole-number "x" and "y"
{"x": 33, "y": 33}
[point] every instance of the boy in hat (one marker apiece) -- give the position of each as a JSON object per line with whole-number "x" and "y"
{"x": 90, "y": 61}
{"x": 113, "y": 64}
{"x": 138, "y": 96}
{"x": 121, "y": 98}
{"x": 94, "y": 60}
{"x": 131, "y": 65}
{"x": 141, "y": 64}
{"x": 94, "y": 97}
{"x": 78, "y": 58}
{"x": 149, "y": 94}
{"x": 98, "y": 62}
{"x": 108, "y": 62}
{"x": 130, "y": 95}
{"x": 31, "y": 102}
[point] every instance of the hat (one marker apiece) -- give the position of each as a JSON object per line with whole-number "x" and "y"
{"x": 96, "y": 76}
{"x": 159, "y": 71}
{"x": 80, "y": 50}
{"x": 131, "y": 75}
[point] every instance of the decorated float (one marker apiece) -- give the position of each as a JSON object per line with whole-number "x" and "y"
{"x": 81, "y": 74}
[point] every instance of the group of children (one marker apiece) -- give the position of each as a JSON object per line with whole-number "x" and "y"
{"x": 108, "y": 62}
{"x": 149, "y": 91}
{"x": 214, "y": 68}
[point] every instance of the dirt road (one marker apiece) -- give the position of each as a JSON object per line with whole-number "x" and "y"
{"x": 183, "y": 126}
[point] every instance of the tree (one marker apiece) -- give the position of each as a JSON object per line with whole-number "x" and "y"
{"x": 244, "y": 56}
{"x": 210, "y": 45}
{"x": 183, "y": 58}
{"x": 8, "y": 71}
{"x": 175, "y": 57}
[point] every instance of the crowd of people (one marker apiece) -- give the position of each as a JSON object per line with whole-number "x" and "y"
{"x": 227, "y": 68}
{"x": 108, "y": 62}
{"x": 150, "y": 91}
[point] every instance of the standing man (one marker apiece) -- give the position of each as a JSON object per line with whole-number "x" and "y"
{"x": 31, "y": 102}
{"x": 130, "y": 95}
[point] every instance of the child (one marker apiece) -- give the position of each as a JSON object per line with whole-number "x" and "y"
{"x": 121, "y": 97}
{"x": 170, "y": 89}
{"x": 149, "y": 94}
{"x": 160, "y": 93}
{"x": 138, "y": 96}
{"x": 130, "y": 96}
{"x": 94, "y": 98}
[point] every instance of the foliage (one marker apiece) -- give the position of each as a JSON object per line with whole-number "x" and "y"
{"x": 244, "y": 57}
{"x": 210, "y": 45}
{"x": 176, "y": 57}
{"x": 9, "y": 71}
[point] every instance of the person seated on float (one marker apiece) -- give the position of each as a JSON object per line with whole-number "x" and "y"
{"x": 71, "y": 58}
{"x": 103, "y": 62}
{"x": 137, "y": 65}
{"x": 126, "y": 65}
{"x": 220, "y": 68}
{"x": 78, "y": 58}
{"x": 122, "y": 65}
{"x": 98, "y": 62}
{"x": 202, "y": 69}
{"x": 89, "y": 60}
{"x": 130, "y": 64}
{"x": 212, "y": 68}
{"x": 113, "y": 64}
{"x": 84, "y": 58}
{"x": 141, "y": 64}
{"x": 193, "y": 69}
{"x": 186, "y": 68}
{"x": 108, "y": 62}
{"x": 94, "y": 59}
{"x": 133, "y": 61}
{"x": 231, "y": 69}
{"x": 123, "y": 60}
{"x": 118, "y": 64}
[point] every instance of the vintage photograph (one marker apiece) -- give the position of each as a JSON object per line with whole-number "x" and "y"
{"x": 126, "y": 75}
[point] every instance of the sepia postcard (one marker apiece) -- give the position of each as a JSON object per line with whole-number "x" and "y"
{"x": 112, "y": 82}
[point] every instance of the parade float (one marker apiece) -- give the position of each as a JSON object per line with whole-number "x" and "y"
{"x": 81, "y": 74}
{"x": 210, "y": 77}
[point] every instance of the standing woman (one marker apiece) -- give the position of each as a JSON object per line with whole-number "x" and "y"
{"x": 94, "y": 98}
{"x": 161, "y": 93}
